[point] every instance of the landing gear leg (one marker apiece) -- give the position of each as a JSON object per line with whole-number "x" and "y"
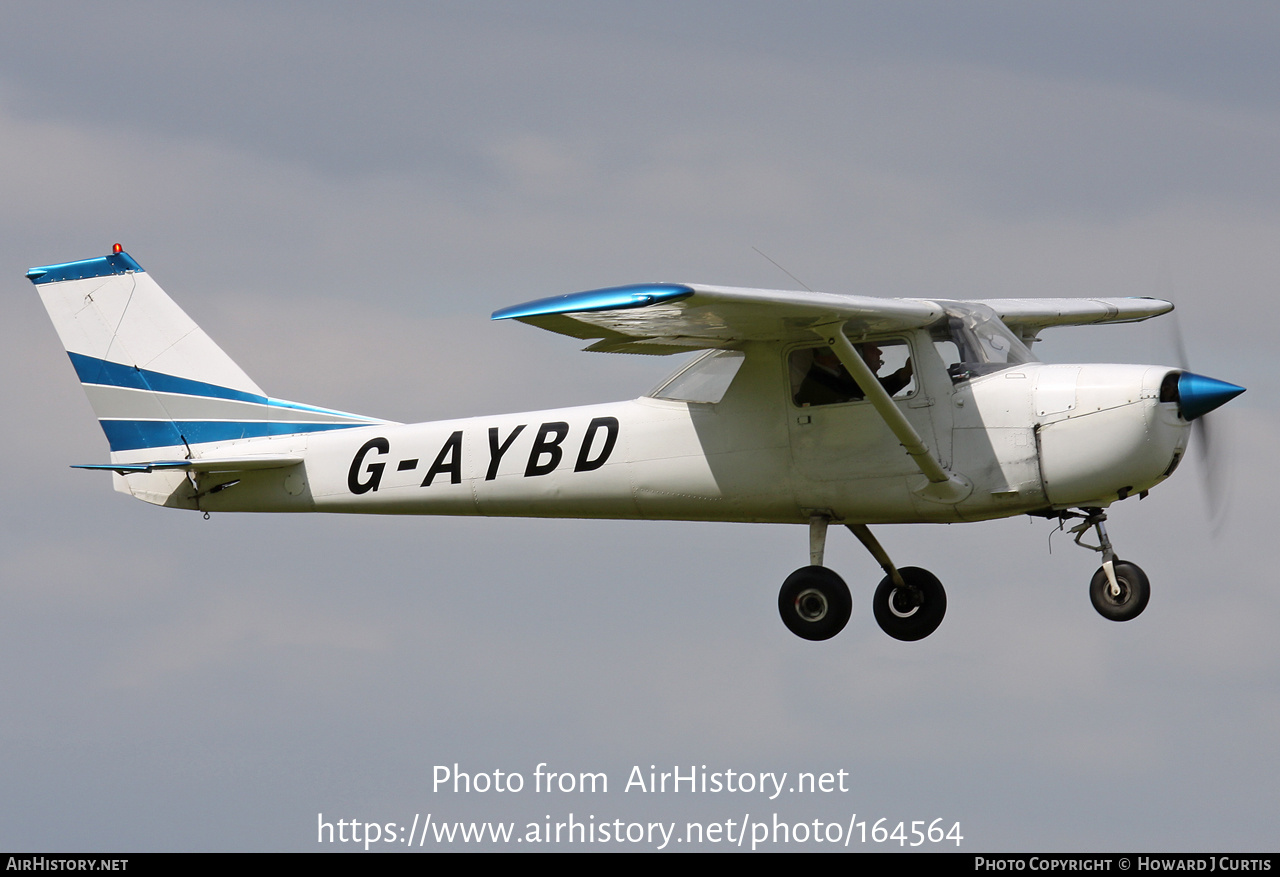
{"x": 817, "y": 538}
{"x": 1119, "y": 590}
{"x": 910, "y": 602}
{"x": 814, "y": 602}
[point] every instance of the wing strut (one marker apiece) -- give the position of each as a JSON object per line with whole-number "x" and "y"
{"x": 945, "y": 487}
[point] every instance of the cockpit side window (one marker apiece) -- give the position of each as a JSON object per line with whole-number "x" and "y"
{"x": 819, "y": 378}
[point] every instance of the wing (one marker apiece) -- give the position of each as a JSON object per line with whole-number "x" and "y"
{"x": 663, "y": 318}
{"x": 1027, "y": 316}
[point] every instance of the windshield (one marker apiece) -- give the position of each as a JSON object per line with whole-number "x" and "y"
{"x": 975, "y": 342}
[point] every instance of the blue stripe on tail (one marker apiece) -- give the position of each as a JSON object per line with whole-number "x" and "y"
{"x": 103, "y": 266}
{"x": 131, "y": 435}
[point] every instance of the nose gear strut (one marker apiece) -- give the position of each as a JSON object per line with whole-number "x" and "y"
{"x": 1119, "y": 589}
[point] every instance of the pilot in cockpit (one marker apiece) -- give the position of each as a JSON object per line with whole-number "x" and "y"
{"x": 827, "y": 382}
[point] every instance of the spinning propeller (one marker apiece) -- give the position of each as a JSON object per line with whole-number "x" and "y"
{"x": 1196, "y": 396}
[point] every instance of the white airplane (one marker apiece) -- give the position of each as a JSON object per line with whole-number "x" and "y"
{"x": 803, "y": 408}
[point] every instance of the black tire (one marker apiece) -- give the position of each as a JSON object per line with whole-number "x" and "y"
{"x": 1135, "y": 591}
{"x": 912, "y": 614}
{"x": 814, "y": 603}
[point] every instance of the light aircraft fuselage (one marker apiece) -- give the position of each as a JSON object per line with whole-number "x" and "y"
{"x": 736, "y": 460}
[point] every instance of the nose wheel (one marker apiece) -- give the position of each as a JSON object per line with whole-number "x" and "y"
{"x": 1127, "y": 598}
{"x": 1119, "y": 590}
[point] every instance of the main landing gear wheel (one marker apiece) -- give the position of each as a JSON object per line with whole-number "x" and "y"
{"x": 814, "y": 603}
{"x": 914, "y": 612}
{"x": 1135, "y": 591}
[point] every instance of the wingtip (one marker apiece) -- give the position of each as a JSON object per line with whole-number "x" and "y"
{"x": 636, "y": 295}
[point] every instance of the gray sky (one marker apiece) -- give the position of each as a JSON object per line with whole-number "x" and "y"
{"x": 341, "y": 195}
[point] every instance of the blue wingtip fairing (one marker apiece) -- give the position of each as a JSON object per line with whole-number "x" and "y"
{"x": 1198, "y": 395}
{"x": 637, "y": 295}
{"x": 102, "y": 266}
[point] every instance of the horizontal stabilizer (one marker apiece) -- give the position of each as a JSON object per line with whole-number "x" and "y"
{"x": 225, "y": 464}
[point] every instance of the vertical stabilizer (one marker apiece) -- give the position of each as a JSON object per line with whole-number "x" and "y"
{"x": 154, "y": 378}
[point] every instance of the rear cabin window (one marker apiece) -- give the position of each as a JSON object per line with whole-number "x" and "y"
{"x": 706, "y": 379}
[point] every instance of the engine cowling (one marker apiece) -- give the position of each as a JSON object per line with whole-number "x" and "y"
{"x": 1122, "y": 430}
